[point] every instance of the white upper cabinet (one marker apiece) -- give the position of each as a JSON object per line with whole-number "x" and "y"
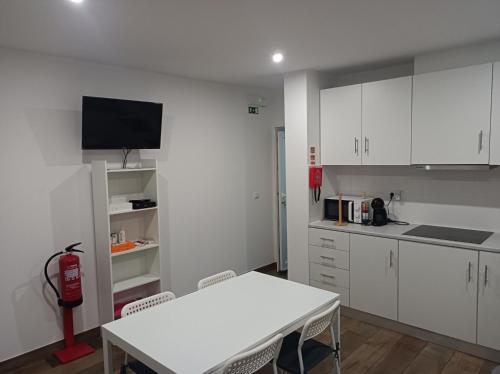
{"x": 495, "y": 117}
{"x": 341, "y": 125}
{"x": 451, "y": 116}
{"x": 488, "y": 323}
{"x": 374, "y": 275}
{"x": 368, "y": 124}
{"x": 386, "y": 122}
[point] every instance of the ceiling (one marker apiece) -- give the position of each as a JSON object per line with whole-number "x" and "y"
{"x": 232, "y": 40}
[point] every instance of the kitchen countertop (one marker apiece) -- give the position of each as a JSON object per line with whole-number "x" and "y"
{"x": 392, "y": 231}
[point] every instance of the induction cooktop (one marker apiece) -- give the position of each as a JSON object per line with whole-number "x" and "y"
{"x": 450, "y": 233}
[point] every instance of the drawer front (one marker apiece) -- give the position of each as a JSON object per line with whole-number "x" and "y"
{"x": 329, "y": 257}
{"x": 343, "y": 292}
{"x": 333, "y": 276}
{"x": 329, "y": 239}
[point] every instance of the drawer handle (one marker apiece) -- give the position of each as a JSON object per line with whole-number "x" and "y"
{"x": 332, "y": 241}
{"x": 469, "y": 272}
{"x": 327, "y": 276}
{"x": 328, "y": 261}
{"x": 327, "y": 258}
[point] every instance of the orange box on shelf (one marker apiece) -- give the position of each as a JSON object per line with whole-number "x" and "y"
{"x": 115, "y": 248}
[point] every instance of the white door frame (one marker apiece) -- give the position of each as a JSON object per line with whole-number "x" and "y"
{"x": 280, "y": 205}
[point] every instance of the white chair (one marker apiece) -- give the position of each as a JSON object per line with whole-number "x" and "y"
{"x": 300, "y": 353}
{"x": 217, "y": 278}
{"x": 250, "y": 361}
{"x": 146, "y": 303}
{"x": 138, "y": 306}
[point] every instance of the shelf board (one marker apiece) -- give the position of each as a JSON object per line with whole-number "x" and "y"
{"x": 129, "y": 170}
{"x": 135, "y": 250}
{"x": 140, "y": 280}
{"x": 131, "y": 211}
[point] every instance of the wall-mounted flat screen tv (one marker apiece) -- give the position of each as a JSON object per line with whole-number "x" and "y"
{"x": 120, "y": 124}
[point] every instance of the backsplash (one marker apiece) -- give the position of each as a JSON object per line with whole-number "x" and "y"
{"x": 469, "y": 199}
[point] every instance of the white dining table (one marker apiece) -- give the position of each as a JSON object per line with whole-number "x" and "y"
{"x": 199, "y": 332}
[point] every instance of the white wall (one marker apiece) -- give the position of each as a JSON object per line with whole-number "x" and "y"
{"x": 466, "y": 199}
{"x": 457, "y": 57}
{"x": 301, "y": 92}
{"x": 314, "y": 83}
{"x": 295, "y": 94}
{"x": 214, "y": 156}
{"x": 337, "y": 79}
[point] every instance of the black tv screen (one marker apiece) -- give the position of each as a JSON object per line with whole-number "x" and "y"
{"x": 117, "y": 124}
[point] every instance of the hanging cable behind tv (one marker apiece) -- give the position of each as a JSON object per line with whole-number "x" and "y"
{"x": 126, "y": 152}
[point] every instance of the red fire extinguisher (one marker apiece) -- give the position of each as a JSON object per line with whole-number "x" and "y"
{"x": 70, "y": 296}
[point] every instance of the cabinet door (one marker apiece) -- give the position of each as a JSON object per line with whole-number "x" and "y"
{"x": 495, "y": 117}
{"x": 451, "y": 116}
{"x": 374, "y": 275}
{"x": 438, "y": 289}
{"x": 488, "y": 328}
{"x": 341, "y": 125}
{"x": 386, "y": 122}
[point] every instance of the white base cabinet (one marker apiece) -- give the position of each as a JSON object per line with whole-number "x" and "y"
{"x": 488, "y": 320}
{"x": 438, "y": 289}
{"x": 446, "y": 290}
{"x": 329, "y": 262}
{"x": 374, "y": 275}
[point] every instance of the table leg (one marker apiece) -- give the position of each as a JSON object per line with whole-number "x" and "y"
{"x": 107, "y": 351}
{"x": 338, "y": 345}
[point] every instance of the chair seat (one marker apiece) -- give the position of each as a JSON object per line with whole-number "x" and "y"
{"x": 313, "y": 352}
{"x": 139, "y": 368}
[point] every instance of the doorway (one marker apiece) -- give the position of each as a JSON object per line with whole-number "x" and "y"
{"x": 281, "y": 194}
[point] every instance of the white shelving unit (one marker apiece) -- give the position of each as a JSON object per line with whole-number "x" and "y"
{"x": 134, "y": 273}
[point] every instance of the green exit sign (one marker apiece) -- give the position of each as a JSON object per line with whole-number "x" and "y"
{"x": 253, "y": 110}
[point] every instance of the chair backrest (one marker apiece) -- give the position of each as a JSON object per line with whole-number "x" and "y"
{"x": 317, "y": 324}
{"x": 216, "y": 278}
{"x": 250, "y": 361}
{"x": 146, "y": 303}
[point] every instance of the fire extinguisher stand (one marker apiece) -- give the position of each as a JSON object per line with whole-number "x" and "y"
{"x": 69, "y": 274}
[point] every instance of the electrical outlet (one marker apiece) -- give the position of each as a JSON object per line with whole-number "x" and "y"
{"x": 396, "y": 195}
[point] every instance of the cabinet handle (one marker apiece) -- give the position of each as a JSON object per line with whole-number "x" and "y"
{"x": 480, "y": 147}
{"x": 391, "y": 259}
{"x": 355, "y": 146}
{"x": 470, "y": 272}
{"x": 485, "y": 275}
{"x": 327, "y": 276}
{"x": 367, "y": 145}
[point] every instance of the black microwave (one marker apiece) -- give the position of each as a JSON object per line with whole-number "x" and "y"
{"x": 332, "y": 209}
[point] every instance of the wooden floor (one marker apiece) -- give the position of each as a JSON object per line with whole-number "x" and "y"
{"x": 365, "y": 349}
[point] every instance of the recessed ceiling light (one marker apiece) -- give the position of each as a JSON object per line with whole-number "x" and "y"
{"x": 277, "y": 57}
{"x": 76, "y": 1}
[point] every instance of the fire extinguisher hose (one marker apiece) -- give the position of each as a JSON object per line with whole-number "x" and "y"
{"x": 47, "y": 275}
